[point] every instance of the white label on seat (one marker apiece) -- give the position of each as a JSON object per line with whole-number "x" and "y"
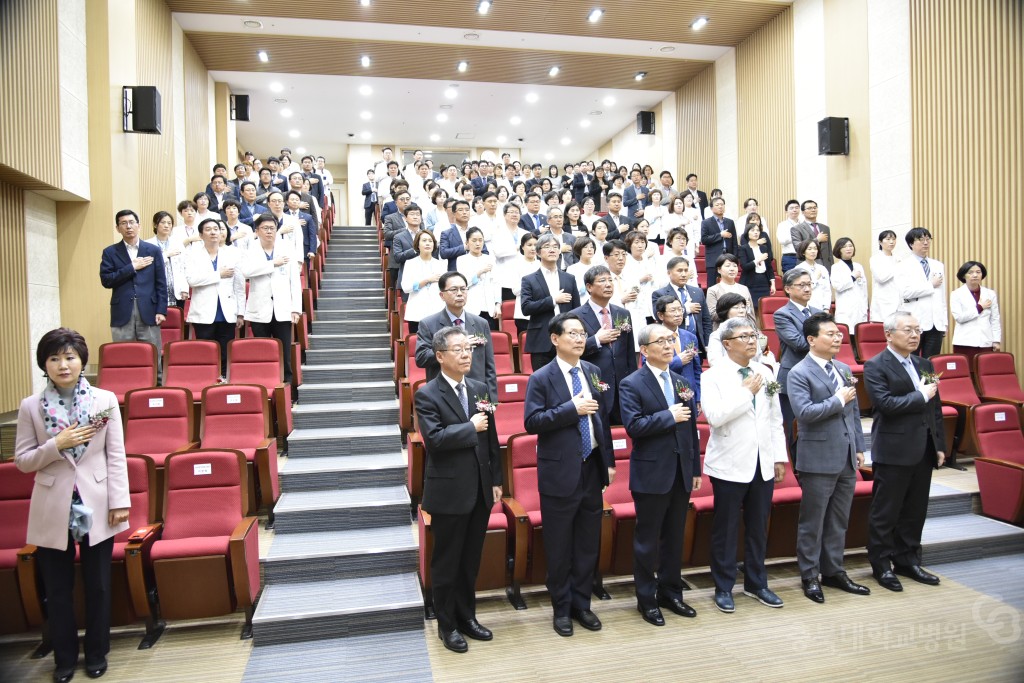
{"x": 618, "y": 444}
{"x": 951, "y": 366}
{"x": 156, "y": 403}
{"x": 204, "y": 468}
{"x": 234, "y": 398}
{"x": 512, "y": 387}
{"x": 1000, "y": 417}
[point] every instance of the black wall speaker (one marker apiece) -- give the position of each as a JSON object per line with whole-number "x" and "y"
{"x": 645, "y": 123}
{"x": 239, "y": 107}
{"x": 834, "y": 136}
{"x": 146, "y": 109}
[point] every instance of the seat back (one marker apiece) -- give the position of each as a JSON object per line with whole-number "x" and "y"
{"x": 413, "y": 372}
{"x": 622, "y": 446}
{"x": 204, "y": 493}
{"x": 521, "y": 470}
{"x": 704, "y": 434}
{"x": 997, "y": 430}
{"x": 172, "y": 328}
{"x": 125, "y": 366}
{"x": 234, "y": 416}
{"x": 256, "y": 361}
{"x": 996, "y": 375}
{"x": 870, "y": 340}
{"x": 955, "y": 383}
{"x": 15, "y": 497}
{"x": 157, "y": 421}
{"x": 512, "y": 388}
{"x": 142, "y": 492}
{"x": 846, "y": 354}
{"x": 501, "y": 343}
{"x": 768, "y": 305}
{"x": 192, "y": 364}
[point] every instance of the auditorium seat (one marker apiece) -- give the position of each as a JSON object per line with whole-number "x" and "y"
{"x": 206, "y": 560}
{"x": 261, "y": 361}
{"x": 869, "y": 340}
{"x": 846, "y": 355}
{"x": 508, "y": 323}
{"x": 413, "y": 374}
{"x": 192, "y": 364}
{"x": 620, "y": 499}
{"x": 995, "y": 375}
{"x": 699, "y": 514}
{"x": 416, "y": 453}
{"x": 19, "y": 591}
{"x": 173, "y": 327}
{"x": 785, "y": 513}
{"x": 125, "y": 366}
{"x": 509, "y": 417}
{"x": 956, "y": 390}
{"x": 768, "y": 305}
{"x": 159, "y": 422}
{"x": 501, "y": 343}
{"x": 525, "y": 365}
{"x": 1000, "y": 462}
{"x": 860, "y": 513}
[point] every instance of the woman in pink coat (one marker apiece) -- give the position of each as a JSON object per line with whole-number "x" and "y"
{"x": 70, "y": 435}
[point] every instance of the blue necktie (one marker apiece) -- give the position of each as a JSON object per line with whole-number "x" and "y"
{"x": 666, "y": 386}
{"x": 584, "y": 421}
{"x": 691, "y": 323}
{"x": 460, "y": 389}
{"x": 927, "y": 269}
{"x": 830, "y": 370}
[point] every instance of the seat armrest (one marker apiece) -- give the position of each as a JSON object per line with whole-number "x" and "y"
{"x": 519, "y": 525}
{"x": 868, "y": 472}
{"x": 417, "y": 465}
{"x": 136, "y": 562}
{"x": 188, "y": 446}
{"x": 244, "y": 555}
{"x": 28, "y": 585}
{"x": 265, "y": 462}
{"x": 604, "y": 561}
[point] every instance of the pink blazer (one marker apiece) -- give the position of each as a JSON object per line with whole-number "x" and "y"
{"x": 101, "y": 475}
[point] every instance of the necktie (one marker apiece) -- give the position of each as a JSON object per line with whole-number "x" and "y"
{"x": 814, "y": 227}
{"x": 691, "y": 324}
{"x": 460, "y": 389}
{"x": 830, "y": 370}
{"x": 807, "y": 312}
{"x": 909, "y": 367}
{"x": 536, "y": 221}
{"x": 606, "y": 320}
{"x": 458, "y": 322}
{"x": 667, "y": 388}
{"x": 584, "y": 421}
{"x": 746, "y": 373}
{"x": 927, "y": 269}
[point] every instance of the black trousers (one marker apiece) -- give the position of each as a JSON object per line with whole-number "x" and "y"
{"x": 279, "y": 330}
{"x": 369, "y": 215}
{"x": 540, "y": 359}
{"x": 755, "y": 499}
{"x": 455, "y": 563}
{"x": 658, "y": 543}
{"x": 571, "y": 526}
{"x": 57, "y": 568}
{"x": 931, "y": 343}
{"x": 899, "y": 506}
{"x": 221, "y": 333}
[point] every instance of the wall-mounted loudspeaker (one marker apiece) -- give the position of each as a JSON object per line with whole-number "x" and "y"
{"x": 239, "y": 107}
{"x": 145, "y": 109}
{"x": 834, "y": 136}
{"x": 645, "y": 123}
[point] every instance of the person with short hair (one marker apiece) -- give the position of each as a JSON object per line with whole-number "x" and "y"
{"x": 718, "y": 235}
{"x": 784, "y": 234}
{"x": 885, "y": 292}
{"x": 922, "y": 282}
{"x": 851, "y": 285}
{"x": 544, "y": 294}
{"x": 811, "y": 230}
{"x": 173, "y": 253}
{"x": 369, "y": 198}
{"x": 728, "y": 268}
{"x": 419, "y": 280}
{"x": 975, "y": 309}
{"x": 789, "y": 326}
{"x": 821, "y": 282}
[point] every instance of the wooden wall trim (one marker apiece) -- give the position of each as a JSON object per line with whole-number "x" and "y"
{"x": 14, "y": 339}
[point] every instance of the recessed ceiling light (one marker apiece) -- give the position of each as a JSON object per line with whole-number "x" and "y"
{"x": 553, "y": 71}
{"x": 608, "y": 101}
{"x": 300, "y": 150}
{"x": 585, "y": 123}
{"x": 471, "y": 36}
{"x": 286, "y": 113}
{"x": 364, "y": 3}
{"x": 463, "y": 67}
{"x": 442, "y": 117}
{"x": 434, "y": 137}
{"x": 667, "y": 48}
{"x": 566, "y": 141}
{"x": 264, "y": 57}
{"x": 595, "y": 15}
{"x": 365, "y": 61}
{"x": 446, "y": 106}
{"x": 276, "y": 87}
{"x": 365, "y": 90}
{"x": 484, "y": 7}
{"x": 596, "y": 112}
{"x": 515, "y": 120}
{"x": 549, "y": 156}
{"x": 532, "y": 97}
{"x": 451, "y": 93}
{"x": 501, "y": 139}
{"x": 365, "y": 116}
{"x": 640, "y": 75}
{"x": 293, "y": 133}
{"x": 252, "y": 23}
{"x": 280, "y": 100}
{"x": 365, "y": 135}
{"x": 699, "y": 23}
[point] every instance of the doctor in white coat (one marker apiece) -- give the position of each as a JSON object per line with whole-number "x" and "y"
{"x": 975, "y": 309}
{"x": 922, "y": 283}
{"x": 218, "y": 289}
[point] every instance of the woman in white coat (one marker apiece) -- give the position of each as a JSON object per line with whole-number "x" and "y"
{"x": 484, "y": 295}
{"x": 885, "y": 291}
{"x": 174, "y": 260}
{"x": 505, "y": 249}
{"x": 218, "y": 289}
{"x": 851, "y": 285}
{"x": 419, "y": 281}
{"x": 527, "y": 264}
{"x": 975, "y": 309}
{"x": 821, "y": 282}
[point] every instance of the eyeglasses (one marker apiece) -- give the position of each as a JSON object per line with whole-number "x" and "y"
{"x": 801, "y": 285}
{"x": 832, "y": 335}
{"x": 457, "y": 290}
{"x": 603, "y": 281}
{"x": 459, "y": 350}
{"x": 664, "y": 341}
{"x": 576, "y": 334}
{"x": 127, "y": 224}
{"x": 911, "y": 331}
{"x": 745, "y": 338}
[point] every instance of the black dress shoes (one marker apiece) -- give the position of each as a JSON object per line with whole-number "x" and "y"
{"x": 96, "y": 670}
{"x": 914, "y": 571}
{"x": 454, "y": 641}
{"x": 63, "y": 675}
{"x": 563, "y": 626}
{"x": 886, "y": 579}
{"x": 473, "y": 629}
{"x": 587, "y": 619}
{"x": 812, "y": 590}
{"x": 844, "y": 583}
{"x": 677, "y": 606}
{"x": 652, "y": 616}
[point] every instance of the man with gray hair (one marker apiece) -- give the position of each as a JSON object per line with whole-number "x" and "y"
{"x": 545, "y": 293}
{"x": 789, "y": 326}
{"x": 556, "y": 219}
{"x": 463, "y": 479}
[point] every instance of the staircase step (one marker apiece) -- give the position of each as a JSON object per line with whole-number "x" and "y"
{"x": 309, "y": 415}
{"x": 363, "y": 508}
{"x": 294, "y": 558}
{"x": 344, "y": 441}
{"x": 356, "y": 322}
{"x": 958, "y": 537}
{"x": 346, "y": 372}
{"x": 380, "y": 340}
{"x": 346, "y": 284}
{"x": 351, "y": 303}
{"x": 347, "y": 391}
{"x": 296, "y": 612}
{"x": 329, "y": 356}
{"x": 354, "y": 271}
{"x": 344, "y": 472}
{"x": 375, "y": 291}
{"x": 324, "y": 315}
{"x": 944, "y": 501}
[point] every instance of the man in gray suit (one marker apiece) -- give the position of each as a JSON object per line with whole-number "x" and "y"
{"x": 811, "y": 229}
{"x": 402, "y": 249}
{"x": 831, "y": 446}
{"x": 789, "y": 326}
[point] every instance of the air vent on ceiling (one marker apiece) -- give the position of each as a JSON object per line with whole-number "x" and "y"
{"x": 465, "y": 136}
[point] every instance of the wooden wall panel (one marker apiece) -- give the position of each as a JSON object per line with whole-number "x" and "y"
{"x": 156, "y": 152}
{"x": 696, "y": 126}
{"x": 967, "y": 105}
{"x": 30, "y": 91}
{"x": 765, "y": 118}
{"x": 197, "y": 122}
{"x": 14, "y": 339}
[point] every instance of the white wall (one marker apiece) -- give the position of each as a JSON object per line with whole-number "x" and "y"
{"x": 727, "y": 137}
{"x": 809, "y": 90}
{"x": 43, "y": 283}
{"x": 360, "y": 158}
{"x": 74, "y": 96}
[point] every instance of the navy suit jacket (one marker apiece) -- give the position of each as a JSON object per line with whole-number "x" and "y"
{"x": 550, "y": 414}
{"x": 616, "y": 360}
{"x": 147, "y": 286}
{"x": 452, "y": 246}
{"x": 369, "y": 195}
{"x": 537, "y": 303}
{"x": 903, "y": 423}
{"x": 248, "y": 215}
{"x": 789, "y": 326}
{"x": 661, "y": 446}
{"x": 630, "y": 201}
{"x": 613, "y": 231}
{"x": 526, "y": 222}
{"x": 714, "y": 244}
{"x": 702, "y": 321}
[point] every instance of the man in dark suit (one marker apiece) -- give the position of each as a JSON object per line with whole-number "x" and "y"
{"x": 248, "y": 209}
{"x": 556, "y": 220}
{"x": 718, "y": 235}
{"x": 696, "y": 315}
{"x": 831, "y": 439}
{"x": 907, "y": 441}
{"x": 369, "y": 197}
{"x": 393, "y": 224}
{"x": 219, "y": 193}
{"x": 134, "y": 271}
{"x": 614, "y": 219}
{"x": 533, "y": 220}
{"x": 811, "y": 229}
{"x": 305, "y": 199}
{"x": 789, "y": 326}
{"x": 575, "y": 462}
{"x": 700, "y": 199}
{"x": 316, "y": 188}
{"x": 453, "y": 287}
{"x": 293, "y": 200}
{"x": 453, "y": 240}
{"x": 610, "y": 349}
{"x": 634, "y": 197}
{"x": 402, "y": 249}
{"x": 545, "y": 293}
{"x": 462, "y": 480}
{"x": 663, "y": 468}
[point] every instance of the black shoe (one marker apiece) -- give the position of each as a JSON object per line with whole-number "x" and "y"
{"x": 914, "y": 571}
{"x": 63, "y": 675}
{"x": 886, "y": 579}
{"x": 724, "y": 602}
{"x": 563, "y": 626}
{"x": 652, "y": 616}
{"x": 587, "y": 619}
{"x": 473, "y": 629}
{"x": 812, "y": 590}
{"x": 454, "y": 641}
{"x": 844, "y": 583}
{"x": 677, "y": 606}
{"x": 96, "y": 670}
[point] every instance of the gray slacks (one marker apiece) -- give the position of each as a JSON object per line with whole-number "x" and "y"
{"x": 824, "y": 516}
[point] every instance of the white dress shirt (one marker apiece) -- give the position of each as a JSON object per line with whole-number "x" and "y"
{"x": 551, "y": 279}
{"x": 585, "y": 383}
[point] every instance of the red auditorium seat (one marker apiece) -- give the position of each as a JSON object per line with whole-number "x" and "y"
{"x": 1000, "y": 465}
{"x": 508, "y": 323}
{"x": 995, "y": 375}
{"x": 159, "y": 422}
{"x": 511, "y": 403}
{"x": 236, "y": 416}
{"x": 125, "y": 366}
{"x": 768, "y": 305}
{"x": 782, "y": 523}
{"x": 525, "y": 365}
{"x": 173, "y": 327}
{"x": 413, "y": 374}
{"x": 956, "y": 390}
{"x": 501, "y": 342}
{"x": 192, "y": 364}
{"x": 19, "y": 592}
{"x": 870, "y": 340}
{"x": 620, "y": 499}
{"x": 206, "y": 561}
{"x": 261, "y": 361}
{"x": 416, "y": 452}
